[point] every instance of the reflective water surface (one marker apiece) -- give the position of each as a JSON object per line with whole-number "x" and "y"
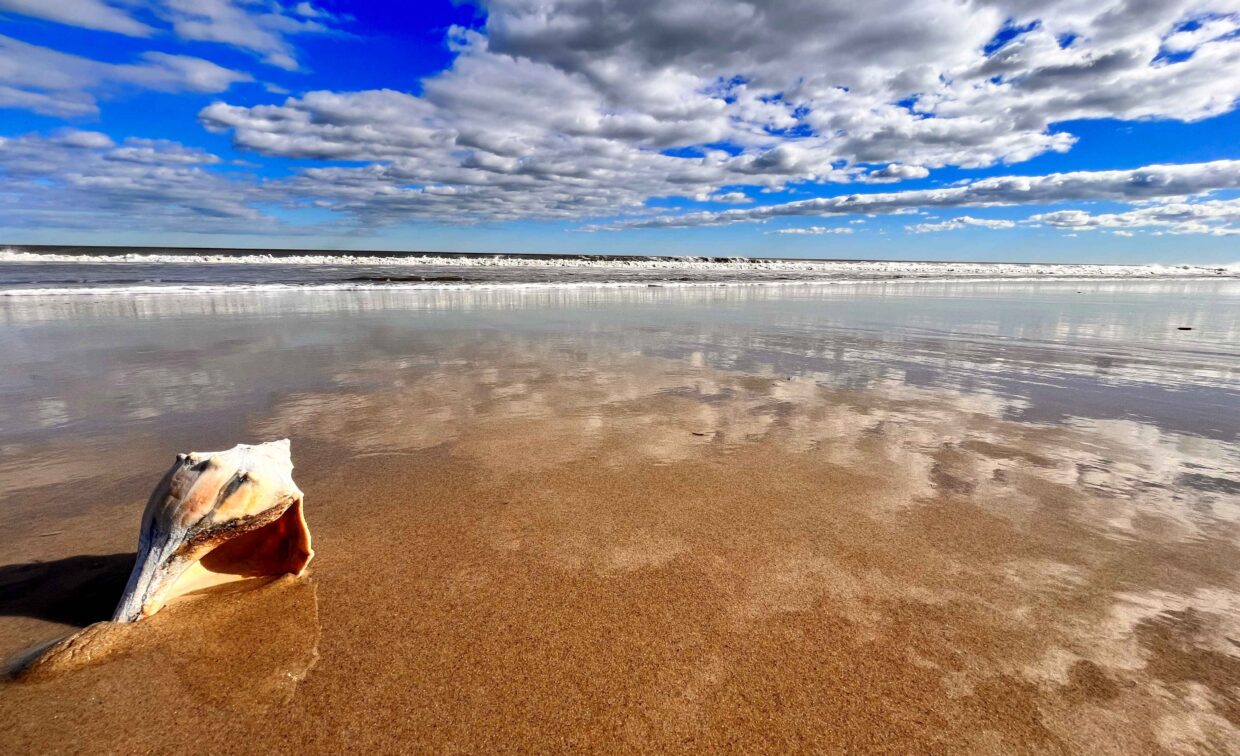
{"x": 1003, "y": 515}
{"x": 1165, "y": 353}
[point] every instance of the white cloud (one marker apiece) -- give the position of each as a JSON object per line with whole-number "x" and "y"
{"x": 895, "y": 172}
{"x": 1158, "y": 217}
{"x": 59, "y": 84}
{"x": 176, "y": 73}
{"x": 813, "y": 231}
{"x": 955, "y": 224}
{"x": 85, "y": 139}
{"x": 589, "y": 109}
{"x": 731, "y": 198}
{"x": 89, "y": 14}
{"x": 81, "y": 179}
{"x": 262, "y": 27}
{"x": 1208, "y": 31}
{"x": 373, "y": 125}
{"x": 851, "y": 69}
{"x": 1212, "y": 217}
{"x": 1146, "y": 183}
{"x": 309, "y": 11}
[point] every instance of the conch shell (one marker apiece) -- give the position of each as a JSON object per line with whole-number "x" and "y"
{"x": 214, "y": 518}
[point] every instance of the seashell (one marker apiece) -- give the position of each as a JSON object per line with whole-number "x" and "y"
{"x": 217, "y": 517}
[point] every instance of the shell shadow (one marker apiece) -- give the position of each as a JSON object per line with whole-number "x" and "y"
{"x": 76, "y": 591}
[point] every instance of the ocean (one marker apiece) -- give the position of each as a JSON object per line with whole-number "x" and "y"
{"x": 93, "y": 270}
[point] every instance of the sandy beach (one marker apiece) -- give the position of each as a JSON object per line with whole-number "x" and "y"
{"x": 936, "y": 518}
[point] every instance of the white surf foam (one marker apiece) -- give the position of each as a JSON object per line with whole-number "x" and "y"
{"x": 127, "y": 290}
{"x": 830, "y": 267}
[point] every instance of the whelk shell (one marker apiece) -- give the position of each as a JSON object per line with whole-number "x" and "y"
{"x": 217, "y": 517}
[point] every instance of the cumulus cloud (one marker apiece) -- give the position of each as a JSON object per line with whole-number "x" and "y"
{"x": 955, "y": 224}
{"x": 1213, "y": 217}
{"x": 872, "y": 77}
{"x": 493, "y": 138}
{"x": 1147, "y": 183}
{"x": 59, "y": 84}
{"x": 82, "y": 179}
{"x": 262, "y": 28}
{"x": 895, "y": 172}
{"x": 374, "y": 125}
{"x": 589, "y": 109}
{"x": 1157, "y": 217}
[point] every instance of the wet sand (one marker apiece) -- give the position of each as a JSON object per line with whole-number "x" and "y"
{"x": 551, "y": 538}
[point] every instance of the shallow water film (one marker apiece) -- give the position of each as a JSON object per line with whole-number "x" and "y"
{"x": 905, "y": 516}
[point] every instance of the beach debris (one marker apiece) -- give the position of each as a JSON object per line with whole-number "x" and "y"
{"x": 214, "y": 518}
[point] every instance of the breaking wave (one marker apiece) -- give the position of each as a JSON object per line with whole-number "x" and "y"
{"x": 84, "y": 270}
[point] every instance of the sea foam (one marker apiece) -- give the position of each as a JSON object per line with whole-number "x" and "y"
{"x": 825, "y": 268}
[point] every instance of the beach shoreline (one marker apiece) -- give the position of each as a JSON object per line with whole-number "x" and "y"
{"x": 670, "y": 525}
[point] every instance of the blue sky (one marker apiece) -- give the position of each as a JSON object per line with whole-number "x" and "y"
{"x": 986, "y": 129}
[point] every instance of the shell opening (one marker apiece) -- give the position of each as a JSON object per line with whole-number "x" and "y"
{"x": 280, "y": 547}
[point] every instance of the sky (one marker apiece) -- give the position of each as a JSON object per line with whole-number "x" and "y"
{"x": 1039, "y": 130}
